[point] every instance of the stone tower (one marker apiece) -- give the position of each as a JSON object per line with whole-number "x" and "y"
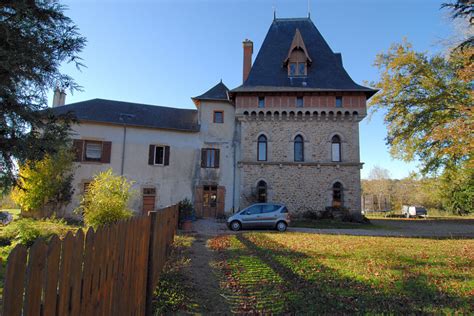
{"x": 297, "y": 122}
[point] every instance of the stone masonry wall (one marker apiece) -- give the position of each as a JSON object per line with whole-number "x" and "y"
{"x": 300, "y": 185}
{"x": 302, "y": 188}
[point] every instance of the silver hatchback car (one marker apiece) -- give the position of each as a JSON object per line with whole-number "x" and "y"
{"x": 261, "y": 215}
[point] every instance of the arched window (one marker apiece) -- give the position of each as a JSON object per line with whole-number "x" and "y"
{"x": 336, "y": 148}
{"x": 337, "y": 194}
{"x": 262, "y": 148}
{"x": 299, "y": 148}
{"x": 262, "y": 191}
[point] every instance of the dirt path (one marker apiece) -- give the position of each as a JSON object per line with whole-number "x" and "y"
{"x": 205, "y": 280}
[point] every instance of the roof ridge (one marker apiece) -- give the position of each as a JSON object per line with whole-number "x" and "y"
{"x": 132, "y": 103}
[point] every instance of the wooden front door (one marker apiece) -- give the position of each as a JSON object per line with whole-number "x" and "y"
{"x": 149, "y": 195}
{"x": 209, "y": 201}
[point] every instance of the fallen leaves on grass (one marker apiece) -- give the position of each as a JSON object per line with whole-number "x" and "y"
{"x": 307, "y": 273}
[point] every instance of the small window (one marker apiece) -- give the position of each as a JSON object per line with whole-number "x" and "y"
{"x": 149, "y": 191}
{"x": 210, "y": 158}
{"x": 261, "y": 102}
{"x": 336, "y": 148}
{"x": 284, "y": 210}
{"x": 297, "y": 69}
{"x": 299, "y": 148}
{"x": 338, "y": 102}
{"x": 159, "y": 155}
{"x": 218, "y": 117}
{"x": 93, "y": 151}
{"x": 299, "y": 102}
{"x": 262, "y": 148}
{"x": 292, "y": 69}
{"x": 301, "y": 69}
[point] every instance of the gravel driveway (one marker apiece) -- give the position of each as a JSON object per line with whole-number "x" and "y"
{"x": 455, "y": 228}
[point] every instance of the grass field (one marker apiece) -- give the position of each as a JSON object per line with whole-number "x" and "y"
{"x": 309, "y": 273}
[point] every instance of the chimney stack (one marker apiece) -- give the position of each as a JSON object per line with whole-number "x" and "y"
{"x": 59, "y": 98}
{"x": 248, "y": 51}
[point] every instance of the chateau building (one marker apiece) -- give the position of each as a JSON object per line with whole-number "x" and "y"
{"x": 288, "y": 134}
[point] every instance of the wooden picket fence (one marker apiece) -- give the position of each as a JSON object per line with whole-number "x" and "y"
{"x": 111, "y": 271}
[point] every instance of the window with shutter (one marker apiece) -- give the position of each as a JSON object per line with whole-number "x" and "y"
{"x": 210, "y": 158}
{"x": 159, "y": 155}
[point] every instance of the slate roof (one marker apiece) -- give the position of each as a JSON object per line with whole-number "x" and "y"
{"x": 217, "y": 93}
{"x": 326, "y": 72}
{"x": 132, "y": 114}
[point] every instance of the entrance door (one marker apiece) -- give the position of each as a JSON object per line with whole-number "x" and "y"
{"x": 149, "y": 195}
{"x": 209, "y": 201}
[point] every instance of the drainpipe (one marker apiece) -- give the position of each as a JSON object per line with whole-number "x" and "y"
{"x": 235, "y": 142}
{"x": 123, "y": 148}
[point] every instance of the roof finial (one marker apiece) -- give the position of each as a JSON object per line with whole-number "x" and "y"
{"x": 274, "y": 13}
{"x": 309, "y": 9}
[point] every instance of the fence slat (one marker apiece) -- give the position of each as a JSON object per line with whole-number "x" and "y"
{"x": 76, "y": 273}
{"x": 34, "y": 278}
{"x": 64, "y": 296}
{"x": 51, "y": 276}
{"x": 14, "y": 282}
{"x": 87, "y": 270}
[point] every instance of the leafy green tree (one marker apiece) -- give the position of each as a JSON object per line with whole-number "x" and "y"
{"x": 44, "y": 186}
{"x": 457, "y": 191}
{"x": 106, "y": 199}
{"x": 35, "y": 38}
{"x": 425, "y": 104}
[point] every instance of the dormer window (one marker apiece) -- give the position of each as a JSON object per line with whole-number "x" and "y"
{"x": 298, "y": 59}
{"x": 297, "y": 69}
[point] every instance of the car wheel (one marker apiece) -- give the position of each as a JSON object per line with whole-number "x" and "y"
{"x": 235, "y": 226}
{"x": 281, "y": 226}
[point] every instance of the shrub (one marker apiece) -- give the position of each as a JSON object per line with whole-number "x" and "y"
{"x": 316, "y": 214}
{"x": 186, "y": 210}
{"x": 106, "y": 199}
{"x": 45, "y": 183}
{"x": 27, "y": 230}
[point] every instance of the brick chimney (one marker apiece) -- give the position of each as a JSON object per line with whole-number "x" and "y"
{"x": 248, "y": 51}
{"x": 59, "y": 97}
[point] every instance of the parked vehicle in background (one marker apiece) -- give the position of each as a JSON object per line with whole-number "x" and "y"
{"x": 414, "y": 211}
{"x": 261, "y": 215}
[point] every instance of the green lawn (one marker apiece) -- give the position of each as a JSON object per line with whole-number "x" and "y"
{"x": 309, "y": 273}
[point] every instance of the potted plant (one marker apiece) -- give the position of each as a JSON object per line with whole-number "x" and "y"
{"x": 186, "y": 214}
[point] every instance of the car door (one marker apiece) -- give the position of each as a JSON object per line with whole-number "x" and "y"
{"x": 268, "y": 215}
{"x": 251, "y": 216}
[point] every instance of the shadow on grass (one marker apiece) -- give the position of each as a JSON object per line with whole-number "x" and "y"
{"x": 264, "y": 276}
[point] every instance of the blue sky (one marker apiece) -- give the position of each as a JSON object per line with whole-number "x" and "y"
{"x": 164, "y": 52}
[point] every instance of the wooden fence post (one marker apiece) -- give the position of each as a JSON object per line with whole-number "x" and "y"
{"x": 150, "y": 269}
